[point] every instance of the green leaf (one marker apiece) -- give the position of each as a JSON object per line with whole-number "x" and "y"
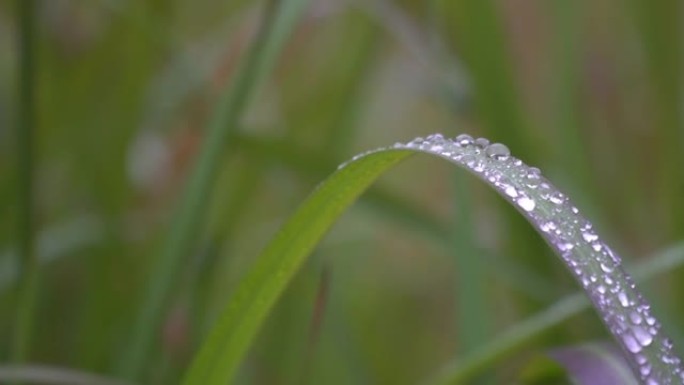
{"x": 595, "y": 266}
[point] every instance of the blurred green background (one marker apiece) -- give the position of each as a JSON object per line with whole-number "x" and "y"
{"x": 428, "y": 265}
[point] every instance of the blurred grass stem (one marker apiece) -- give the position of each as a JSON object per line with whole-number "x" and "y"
{"x": 28, "y": 280}
{"x": 279, "y": 18}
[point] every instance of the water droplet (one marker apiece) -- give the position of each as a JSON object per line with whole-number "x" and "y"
{"x": 635, "y": 317}
{"x": 437, "y": 147}
{"x": 606, "y": 268}
{"x": 642, "y": 335}
{"x": 526, "y": 203}
{"x": 482, "y": 142}
{"x": 511, "y": 191}
{"x": 464, "y": 140}
{"x": 557, "y": 198}
{"x": 533, "y": 177}
{"x": 548, "y": 226}
{"x": 612, "y": 255}
{"x": 622, "y": 297}
{"x": 589, "y": 236}
{"x": 415, "y": 143}
{"x": 641, "y": 359}
{"x": 498, "y": 151}
{"x": 469, "y": 160}
{"x": 645, "y": 370}
{"x": 631, "y": 343}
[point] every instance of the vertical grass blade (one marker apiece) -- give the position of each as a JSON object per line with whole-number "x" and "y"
{"x": 594, "y": 265}
{"x": 659, "y": 22}
{"x": 472, "y": 315}
{"x": 567, "y": 116}
{"x": 28, "y": 266}
{"x": 279, "y": 19}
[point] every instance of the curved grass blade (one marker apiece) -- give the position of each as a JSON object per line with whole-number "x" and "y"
{"x": 231, "y": 336}
{"x": 594, "y": 265}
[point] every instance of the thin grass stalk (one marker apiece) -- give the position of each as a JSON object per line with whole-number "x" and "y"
{"x": 52, "y": 375}
{"x": 279, "y": 18}
{"x": 473, "y": 318}
{"x": 567, "y": 116}
{"x": 27, "y": 263}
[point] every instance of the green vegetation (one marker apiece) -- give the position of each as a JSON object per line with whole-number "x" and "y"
{"x": 159, "y": 146}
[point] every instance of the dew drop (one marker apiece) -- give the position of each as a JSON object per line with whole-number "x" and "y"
{"x": 589, "y": 236}
{"x": 606, "y": 268}
{"x": 631, "y": 343}
{"x": 635, "y": 317}
{"x": 645, "y": 370}
{"x": 643, "y": 336}
{"x": 482, "y": 142}
{"x": 641, "y": 359}
{"x": 548, "y": 226}
{"x": 498, "y": 151}
{"x": 533, "y": 177}
{"x": 622, "y": 297}
{"x": 415, "y": 143}
{"x": 557, "y": 198}
{"x": 437, "y": 147}
{"x": 464, "y": 140}
{"x": 469, "y": 160}
{"x": 511, "y": 191}
{"x": 526, "y": 203}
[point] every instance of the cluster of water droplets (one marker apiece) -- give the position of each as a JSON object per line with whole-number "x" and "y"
{"x": 595, "y": 266}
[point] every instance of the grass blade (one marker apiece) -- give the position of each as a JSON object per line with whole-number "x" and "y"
{"x": 28, "y": 266}
{"x": 279, "y": 20}
{"x": 53, "y": 375}
{"x": 591, "y": 261}
{"x": 230, "y": 337}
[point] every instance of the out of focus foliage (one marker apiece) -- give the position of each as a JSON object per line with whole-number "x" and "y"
{"x": 427, "y": 266}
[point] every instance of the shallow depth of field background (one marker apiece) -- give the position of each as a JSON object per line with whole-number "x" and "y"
{"x": 429, "y": 263}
